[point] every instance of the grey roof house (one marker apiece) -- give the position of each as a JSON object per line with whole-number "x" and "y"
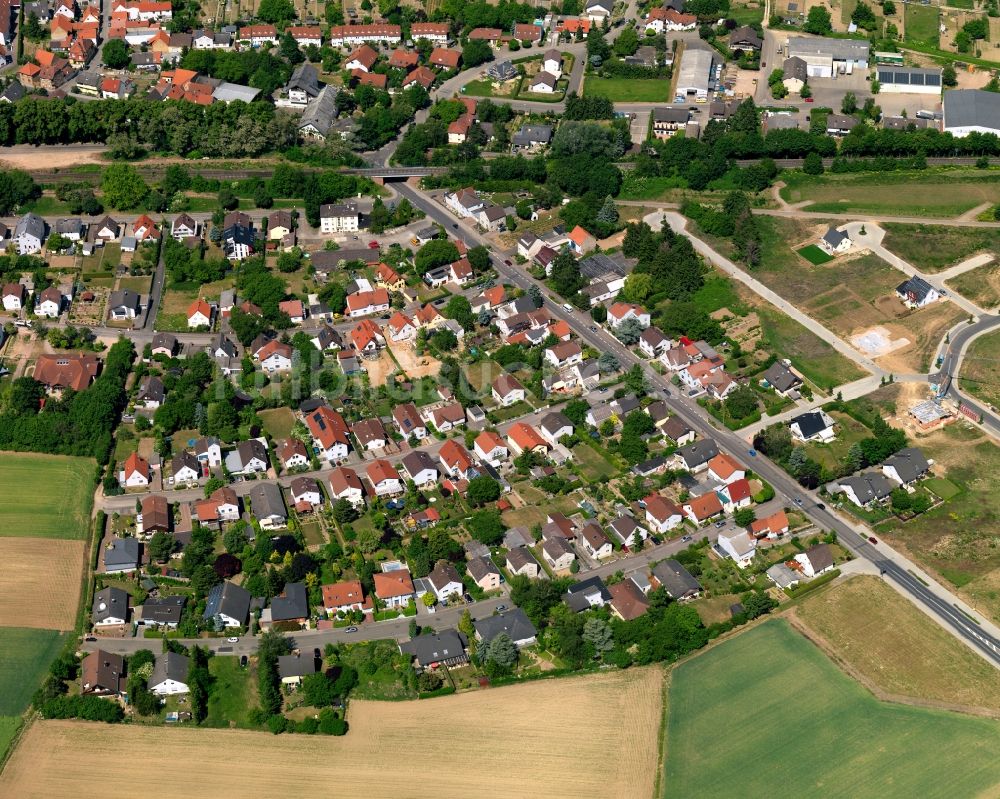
{"x": 228, "y": 604}
{"x": 515, "y": 623}
{"x": 446, "y": 647}
{"x": 677, "y": 581}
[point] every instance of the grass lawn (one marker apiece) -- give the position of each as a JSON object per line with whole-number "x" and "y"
{"x": 814, "y": 255}
{"x": 649, "y": 188}
{"x": 831, "y": 456}
{"x": 899, "y": 649}
{"x": 481, "y": 374}
{"x": 479, "y": 88}
{"x": 538, "y": 507}
{"x": 48, "y": 205}
{"x": 139, "y": 284}
{"x": 716, "y": 293}
{"x": 921, "y": 24}
{"x": 804, "y": 707}
{"x": 627, "y": 90}
{"x": 24, "y": 658}
{"x": 980, "y": 285}
{"x": 594, "y": 467}
{"x": 9, "y": 725}
{"x": 820, "y": 363}
{"x": 35, "y": 513}
{"x": 313, "y": 533}
{"x": 932, "y": 248}
{"x": 233, "y": 694}
{"x": 389, "y": 682}
{"x": 278, "y": 422}
{"x": 745, "y": 15}
{"x": 942, "y": 487}
{"x": 928, "y": 193}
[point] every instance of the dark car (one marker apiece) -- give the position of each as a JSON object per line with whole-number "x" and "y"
{"x": 243, "y": 662}
{"x": 454, "y": 225}
{"x": 90, "y": 638}
{"x": 821, "y": 506}
{"x": 872, "y": 539}
{"x": 501, "y": 607}
{"x": 508, "y": 262}
{"x": 317, "y": 654}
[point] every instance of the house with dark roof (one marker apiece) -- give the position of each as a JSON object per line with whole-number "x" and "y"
{"x": 677, "y": 581}
{"x": 867, "y": 488}
{"x": 228, "y": 605}
{"x": 102, "y": 674}
{"x": 906, "y": 466}
{"x": 695, "y": 457}
{"x": 170, "y": 674}
{"x": 445, "y": 648}
{"x": 292, "y": 668}
{"x": 916, "y": 292}
{"x": 484, "y": 572}
{"x": 587, "y": 594}
{"x": 163, "y": 611}
{"x": 816, "y": 560}
{"x": 520, "y": 561}
{"x": 514, "y": 623}
{"x": 782, "y": 379}
{"x": 290, "y": 606}
{"x": 110, "y": 607}
{"x": 812, "y": 426}
{"x": 122, "y": 555}
{"x": 627, "y": 600}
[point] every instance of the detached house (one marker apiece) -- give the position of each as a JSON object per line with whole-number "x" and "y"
{"x": 394, "y": 588}
{"x": 408, "y": 421}
{"x": 110, "y": 607}
{"x": 445, "y": 581}
{"x": 136, "y": 472}
{"x": 867, "y": 488}
{"x": 490, "y": 448}
{"x": 484, "y": 573}
{"x": 344, "y": 597}
{"x": 812, "y": 426}
{"x": 268, "y": 506}
{"x": 420, "y": 467}
{"x": 520, "y": 561}
{"x": 170, "y": 674}
{"x": 384, "y": 478}
{"x": 345, "y": 484}
{"x": 740, "y": 547}
{"x": 329, "y": 433}
{"x": 906, "y": 466}
{"x": 917, "y": 292}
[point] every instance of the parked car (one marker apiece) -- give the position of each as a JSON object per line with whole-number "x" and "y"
{"x": 351, "y": 630}
{"x": 317, "y": 654}
{"x": 872, "y": 539}
{"x": 233, "y": 640}
{"x": 243, "y": 661}
{"x": 500, "y": 607}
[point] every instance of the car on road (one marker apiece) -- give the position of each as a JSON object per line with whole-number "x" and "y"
{"x": 508, "y": 262}
{"x": 90, "y": 638}
{"x": 797, "y": 501}
{"x": 373, "y": 245}
{"x": 455, "y": 226}
{"x": 685, "y": 538}
{"x": 720, "y": 524}
{"x": 22, "y": 323}
{"x": 752, "y": 453}
{"x": 317, "y": 654}
{"x": 232, "y": 640}
{"x": 593, "y": 328}
{"x": 810, "y": 99}
{"x": 498, "y": 608}
{"x": 872, "y": 539}
{"x": 567, "y": 307}
{"x": 350, "y": 629}
{"x": 821, "y": 506}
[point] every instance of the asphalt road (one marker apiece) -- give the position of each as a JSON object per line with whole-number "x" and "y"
{"x": 886, "y": 559}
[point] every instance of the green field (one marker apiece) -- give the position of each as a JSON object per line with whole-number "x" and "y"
{"x": 980, "y": 285}
{"x": 9, "y": 726}
{"x": 981, "y": 369}
{"x": 24, "y": 657}
{"x": 278, "y": 422}
{"x": 594, "y": 467}
{"x": 921, "y": 24}
{"x": 799, "y": 726}
{"x": 628, "y": 90}
{"x": 814, "y": 255}
{"x": 45, "y": 496}
{"x": 233, "y": 694}
{"x": 928, "y": 193}
{"x": 479, "y": 88}
{"x": 942, "y": 487}
{"x": 932, "y": 248}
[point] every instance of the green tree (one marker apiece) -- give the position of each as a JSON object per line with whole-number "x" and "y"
{"x": 460, "y": 309}
{"x": 160, "y": 546}
{"x": 741, "y": 403}
{"x": 486, "y": 527}
{"x": 597, "y": 633}
{"x": 502, "y": 652}
{"x": 744, "y": 517}
{"x": 627, "y": 42}
{"x": 948, "y": 76}
{"x": 435, "y": 253}
{"x": 115, "y": 54}
{"x": 849, "y": 104}
{"x": 275, "y": 11}
{"x": 813, "y": 164}
{"x": 369, "y": 540}
{"x": 482, "y": 489}
{"x": 818, "y": 21}
{"x": 123, "y": 187}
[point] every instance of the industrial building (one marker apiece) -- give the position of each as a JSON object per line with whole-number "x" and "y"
{"x": 826, "y": 57}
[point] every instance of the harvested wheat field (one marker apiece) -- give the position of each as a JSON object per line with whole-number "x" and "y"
{"x": 580, "y": 737}
{"x": 40, "y": 582}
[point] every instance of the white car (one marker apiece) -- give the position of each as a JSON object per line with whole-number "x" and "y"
{"x": 232, "y": 640}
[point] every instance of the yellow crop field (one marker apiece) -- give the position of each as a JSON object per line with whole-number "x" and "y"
{"x": 40, "y": 582}
{"x": 590, "y": 736}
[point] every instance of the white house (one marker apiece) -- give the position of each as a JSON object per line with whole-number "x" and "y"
{"x": 553, "y": 426}
{"x": 169, "y": 675}
{"x": 558, "y": 553}
{"x": 490, "y": 448}
{"x": 15, "y": 296}
{"x": 345, "y": 484}
{"x": 621, "y": 312}
{"x": 740, "y": 547}
{"x": 136, "y": 472}
{"x": 662, "y": 515}
{"x": 445, "y": 581}
{"x": 816, "y": 560}
{"x": 917, "y": 292}
{"x": 384, "y": 478}
{"x": 833, "y": 242}
{"x": 50, "y": 303}
{"x": 552, "y": 62}
{"x": 199, "y": 314}
{"x": 599, "y": 10}
{"x": 507, "y": 390}
{"x": 342, "y": 218}
{"x": 813, "y": 426}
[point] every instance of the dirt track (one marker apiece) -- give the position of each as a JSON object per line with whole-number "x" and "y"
{"x": 24, "y": 157}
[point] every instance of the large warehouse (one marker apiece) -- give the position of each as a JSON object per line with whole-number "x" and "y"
{"x": 825, "y": 57}
{"x": 908, "y": 80}
{"x": 695, "y": 75}
{"x": 971, "y": 111}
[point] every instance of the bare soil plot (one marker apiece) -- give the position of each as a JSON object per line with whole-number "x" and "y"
{"x": 379, "y": 369}
{"x": 414, "y": 365}
{"x": 899, "y": 651}
{"x": 40, "y": 582}
{"x": 27, "y": 157}
{"x": 980, "y": 285}
{"x": 925, "y": 329}
{"x": 387, "y": 752}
